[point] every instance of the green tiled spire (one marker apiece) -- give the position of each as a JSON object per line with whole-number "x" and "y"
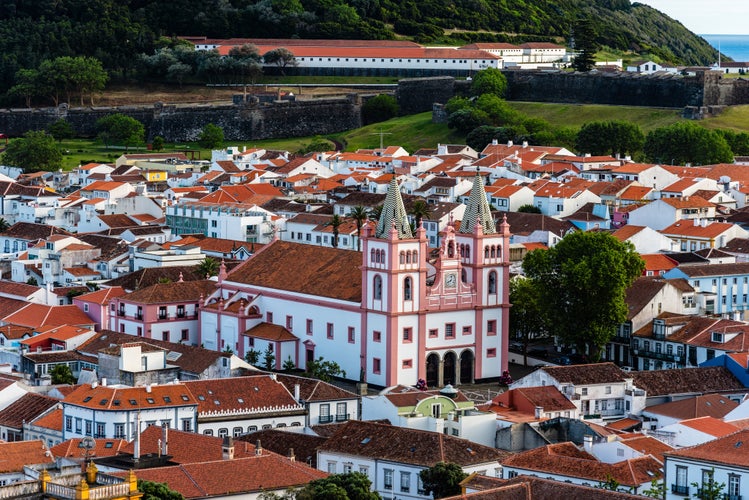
{"x": 393, "y": 212}
{"x": 477, "y": 210}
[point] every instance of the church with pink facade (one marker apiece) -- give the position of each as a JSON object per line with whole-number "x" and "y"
{"x": 394, "y": 313}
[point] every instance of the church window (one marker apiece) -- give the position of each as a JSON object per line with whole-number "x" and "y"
{"x": 407, "y": 289}
{"x": 403, "y": 257}
{"x": 414, "y": 256}
{"x": 451, "y": 249}
{"x": 493, "y": 282}
{"x": 492, "y": 252}
{"x": 486, "y": 252}
{"x": 372, "y": 255}
{"x": 377, "y": 288}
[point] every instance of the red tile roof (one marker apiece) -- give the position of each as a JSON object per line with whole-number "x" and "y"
{"x": 327, "y": 272}
{"x": 710, "y": 425}
{"x": 38, "y": 315}
{"x": 16, "y": 455}
{"x": 221, "y": 478}
{"x": 729, "y": 450}
{"x": 73, "y": 448}
{"x": 130, "y": 398}
{"x": 241, "y": 394}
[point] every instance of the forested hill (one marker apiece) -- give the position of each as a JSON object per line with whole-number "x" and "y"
{"x": 115, "y": 31}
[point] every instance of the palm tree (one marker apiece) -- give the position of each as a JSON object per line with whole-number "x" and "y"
{"x": 3, "y": 224}
{"x": 335, "y": 223}
{"x": 208, "y": 267}
{"x": 359, "y": 214}
{"x": 419, "y": 210}
{"x": 375, "y": 213}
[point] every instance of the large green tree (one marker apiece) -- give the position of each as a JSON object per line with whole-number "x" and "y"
{"x": 349, "y": 486}
{"x": 610, "y": 138}
{"x": 120, "y": 129}
{"x": 62, "y": 374}
{"x": 211, "y": 137}
{"x": 489, "y": 81}
{"x": 442, "y": 479}
{"x": 687, "y": 142}
{"x": 528, "y": 322}
{"x": 586, "y": 44}
{"x": 379, "y": 108}
{"x": 33, "y": 152}
{"x": 158, "y": 491}
{"x": 583, "y": 280}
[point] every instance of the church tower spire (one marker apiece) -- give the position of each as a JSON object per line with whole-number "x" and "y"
{"x": 477, "y": 210}
{"x": 393, "y": 214}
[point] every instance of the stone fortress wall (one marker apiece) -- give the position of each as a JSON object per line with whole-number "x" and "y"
{"x": 249, "y": 119}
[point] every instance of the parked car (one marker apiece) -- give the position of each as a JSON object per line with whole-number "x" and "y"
{"x": 562, "y": 360}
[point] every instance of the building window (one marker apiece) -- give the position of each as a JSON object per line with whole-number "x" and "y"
{"x": 100, "y": 430}
{"x": 165, "y": 336}
{"x": 608, "y": 389}
{"x": 466, "y": 330}
{"x": 376, "y": 366}
{"x": 269, "y": 317}
{"x": 407, "y": 363}
{"x": 408, "y": 334}
{"x": 331, "y": 467}
{"x": 309, "y": 327}
{"x": 185, "y": 334}
{"x": 89, "y": 427}
{"x": 376, "y": 336}
{"x": 491, "y": 327}
{"x": 734, "y": 486}
{"x": 223, "y": 432}
{"x": 491, "y": 353}
{"x": 351, "y": 334}
{"x": 340, "y": 412}
{"x": 493, "y": 282}
{"x": 119, "y": 431}
{"x": 78, "y": 426}
{"x": 387, "y": 479}
{"x": 236, "y": 432}
{"x": 405, "y": 482}
{"x": 325, "y": 417}
{"x": 289, "y": 322}
{"x": 187, "y": 425}
{"x": 377, "y": 288}
{"x": 449, "y": 330}
{"x": 330, "y": 330}
{"x": 584, "y": 391}
{"x": 162, "y": 312}
{"x": 407, "y": 288}
{"x": 433, "y": 333}
{"x": 68, "y": 423}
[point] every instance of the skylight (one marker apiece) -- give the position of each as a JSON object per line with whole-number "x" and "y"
{"x": 133, "y": 402}
{"x": 173, "y": 356}
{"x": 150, "y": 400}
{"x": 87, "y": 399}
{"x": 366, "y": 440}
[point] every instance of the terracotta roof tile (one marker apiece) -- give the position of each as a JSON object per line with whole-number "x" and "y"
{"x": 327, "y": 272}
{"x": 242, "y": 394}
{"x": 186, "y": 447}
{"x": 133, "y": 398}
{"x": 231, "y": 477}
{"x": 16, "y": 455}
{"x": 722, "y": 450}
{"x": 73, "y": 448}
{"x": 185, "y": 291}
{"x": 25, "y": 409}
{"x": 710, "y": 405}
{"x": 280, "y": 441}
{"x": 710, "y": 425}
{"x": 311, "y": 390}
{"x": 269, "y": 331}
{"x": 597, "y": 373}
{"x": 686, "y": 380}
{"x": 411, "y": 446}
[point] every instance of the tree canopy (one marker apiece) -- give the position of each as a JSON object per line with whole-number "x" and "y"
{"x": 379, "y": 108}
{"x": 528, "y": 322}
{"x": 442, "y": 479}
{"x": 120, "y": 129}
{"x": 582, "y": 283}
{"x": 489, "y": 81}
{"x": 62, "y": 374}
{"x": 610, "y": 138}
{"x": 687, "y": 142}
{"x": 158, "y": 491}
{"x": 349, "y": 486}
{"x": 211, "y": 137}
{"x": 33, "y": 152}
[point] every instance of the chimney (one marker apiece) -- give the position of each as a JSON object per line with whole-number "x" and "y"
{"x": 104, "y": 382}
{"x": 291, "y": 456}
{"x": 525, "y": 144}
{"x": 148, "y": 388}
{"x": 588, "y": 443}
{"x": 136, "y": 445}
{"x": 296, "y": 392}
{"x": 704, "y": 222}
{"x": 258, "y": 448}
{"x": 538, "y": 411}
{"x": 164, "y": 440}
{"x": 696, "y": 222}
{"x": 227, "y": 448}
{"x": 94, "y": 385}
{"x": 509, "y": 144}
{"x": 494, "y": 142}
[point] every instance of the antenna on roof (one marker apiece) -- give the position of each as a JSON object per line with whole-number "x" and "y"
{"x": 381, "y": 134}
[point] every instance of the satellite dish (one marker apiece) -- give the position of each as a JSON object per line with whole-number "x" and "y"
{"x": 88, "y": 444}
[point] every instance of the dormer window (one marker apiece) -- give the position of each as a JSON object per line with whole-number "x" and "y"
{"x": 717, "y": 337}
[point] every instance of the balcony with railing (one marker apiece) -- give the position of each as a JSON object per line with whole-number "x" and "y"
{"x": 326, "y": 419}
{"x": 343, "y": 417}
{"x": 663, "y": 356}
{"x": 680, "y": 489}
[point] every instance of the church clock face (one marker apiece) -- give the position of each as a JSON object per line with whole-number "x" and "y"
{"x": 451, "y": 280}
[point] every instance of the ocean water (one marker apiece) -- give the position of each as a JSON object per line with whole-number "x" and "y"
{"x": 734, "y": 46}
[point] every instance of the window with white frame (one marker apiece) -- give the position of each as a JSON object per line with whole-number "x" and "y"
{"x": 405, "y": 482}
{"x": 387, "y": 479}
